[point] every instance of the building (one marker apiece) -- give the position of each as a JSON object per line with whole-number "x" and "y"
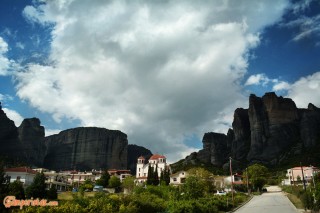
{"x": 294, "y": 175}
{"x": 57, "y": 180}
{"x": 121, "y": 174}
{"x": 178, "y": 178}
{"x": 155, "y": 161}
{"x": 23, "y": 174}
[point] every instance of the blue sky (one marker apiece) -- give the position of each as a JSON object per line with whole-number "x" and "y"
{"x": 163, "y": 72}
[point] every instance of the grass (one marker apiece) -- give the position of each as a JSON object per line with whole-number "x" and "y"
{"x": 295, "y": 200}
{"x": 68, "y": 195}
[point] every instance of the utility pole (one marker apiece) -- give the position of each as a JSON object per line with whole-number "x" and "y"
{"x": 304, "y": 183}
{"x": 231, "y": 180}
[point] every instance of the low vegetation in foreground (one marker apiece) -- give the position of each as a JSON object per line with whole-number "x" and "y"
{"x": 308, "y": 198}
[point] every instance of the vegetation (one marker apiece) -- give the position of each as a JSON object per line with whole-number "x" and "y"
{"x": 38, "y": 187}
{"x": 147, "y": 199}
{"x": 257, "y": 175}
{"x": 16, "y": 189}
{"x": 104, "y": 180}
{"x": 114, "y": 182}
{"x": 309, "y": 198}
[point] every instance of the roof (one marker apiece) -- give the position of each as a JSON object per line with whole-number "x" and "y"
{"x": 141, "y": 157}
{"x": 156, "y": 156}
{"x": 21, "y": 169}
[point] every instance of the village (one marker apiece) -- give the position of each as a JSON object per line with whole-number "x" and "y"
{"x": 71, "y": 180}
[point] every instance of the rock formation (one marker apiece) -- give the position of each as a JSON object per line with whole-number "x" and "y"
{"x": 86, "y": 148}
{"x": 22, "y": 144}
{"x": 267, "y": 132}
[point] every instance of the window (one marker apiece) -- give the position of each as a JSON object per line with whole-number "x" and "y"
{"x": 174, "y": 179}
{"x": 145, "y": 174}
{"x": 18, "y": 177}
{"x": 182, "y": 173}
{"x": 139, "y": 169}
{"x": 139, "y": 174}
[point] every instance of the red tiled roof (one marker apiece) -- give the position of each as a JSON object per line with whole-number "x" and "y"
{"x": 21, "y": 169}
{"x": 156, "y": 156}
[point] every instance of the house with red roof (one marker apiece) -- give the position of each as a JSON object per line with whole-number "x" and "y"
{"x": 155, "y": 161}
{"x": 23, "y": 174}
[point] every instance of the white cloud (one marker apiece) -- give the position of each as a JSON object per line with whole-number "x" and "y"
{"x": 257, "y": 79}
{"x": 13, "y": 115}
{"x": 20, "y": 45}
{"x": 306, "y": 90}
{"x": 281, "y": 85}
{"x": 155, "y": 70}
{"x": 4, "y": 61}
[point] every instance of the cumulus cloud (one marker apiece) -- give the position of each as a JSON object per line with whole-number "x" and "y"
{"x": 159, "y": 71}
{"x": 257, "y": 79}
{"x": 4, "y": 61}
{"x": 306, "y": 90}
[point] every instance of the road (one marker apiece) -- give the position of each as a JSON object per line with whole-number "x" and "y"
{"x": 273, "y": 201}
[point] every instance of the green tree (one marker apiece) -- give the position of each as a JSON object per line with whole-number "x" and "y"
{"x": 206, "y": 176}
{"x": 4, "y": 185}
{"x": 194, "y": 187}
{"x": 104, "y": 180}
{"x": 156, "y": 177}
{"x": 150, "y": 178}
{"x": 257, "y": 175}
{"x": 114, "y": 182}
{"x": 88, "y": 184}
{"x": 16, "y": 189}
{"x": 38, "y": 187}
{"x": 128, "y": 183}
{"x": 52, "y": 193}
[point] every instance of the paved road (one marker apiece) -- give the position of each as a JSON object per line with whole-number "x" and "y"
{"x": 268, "y": 203}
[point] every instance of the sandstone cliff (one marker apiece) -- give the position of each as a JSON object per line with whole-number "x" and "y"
{"x": 270, "y": 131}
{"x": 86, "y": 148}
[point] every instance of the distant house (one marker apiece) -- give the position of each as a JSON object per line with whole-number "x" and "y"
{"x": 23, "y": 174}
{"x": 236, "y": 179}
{"x": 57, "y": 180}
{"x": 155, "y": 161}
{"x": 178, "y": 178}
{"x": 121, "y": 174}
{"x": 294, "y": 175}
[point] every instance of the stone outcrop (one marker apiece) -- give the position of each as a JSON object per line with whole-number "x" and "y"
{"x": 214, "y": 149}
{"x": 86, "y": 148}
{"x": 23, "y": 144}
{"x": 274, "y": 126}
{"x": 135, "y": 151}
{"x": 31, "y": 136}
{"x": 270, "y": 130}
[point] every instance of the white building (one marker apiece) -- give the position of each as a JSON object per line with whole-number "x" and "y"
{"x": 294, "y": 175}
{"x": 155, "y": 161}
{"x": 23, "y": 174}
{"x": 178, "y": 178}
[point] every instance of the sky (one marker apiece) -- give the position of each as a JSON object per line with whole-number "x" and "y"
{"x": 163, "y": 72}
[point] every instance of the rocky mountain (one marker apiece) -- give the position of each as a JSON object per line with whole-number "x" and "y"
{"x": 82, "y": 148}
{"x": 22, "y": 144}
{"x": 270, "y": 131}
{"x": 86, "y": 148}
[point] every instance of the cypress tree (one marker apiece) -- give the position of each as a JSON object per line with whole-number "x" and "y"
{"x": 150, "y": 175}
{"x": 156, "y": 177}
